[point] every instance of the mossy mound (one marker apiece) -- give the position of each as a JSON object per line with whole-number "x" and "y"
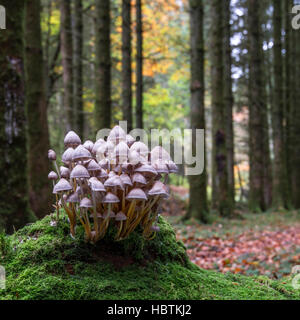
{"x": 44, "y": 262}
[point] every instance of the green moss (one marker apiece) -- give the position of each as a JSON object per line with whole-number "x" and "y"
{"x": 44, "y": 262}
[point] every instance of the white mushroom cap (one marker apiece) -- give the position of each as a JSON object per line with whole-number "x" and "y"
{"x": 88, "y": 144}
{"x": 93, "y": 166}
{"x": 79, "y": 172}
{"x": 72, "y": 139}
{"x": 126, "y": 179}
{"x": 86, "y": 203}
{"x": 130, "y": 140}
{"x": 139, "y": 179}
{"x": 136, "y": 194}
{"x": 159, "y": 189}
{"x": 73, "y": 197}
{"x": 64, "y": 172}
{"x": 116, "y": 135}
{"x": 81, "y": 153}
{"x": 110, "y": 198}
{"x": 67, "y": 156}
{"x": 120, "y": 216}
{"x": 52, "y": 175}
{"x": 96, "y": 185}
{"x": 62, "y": 185}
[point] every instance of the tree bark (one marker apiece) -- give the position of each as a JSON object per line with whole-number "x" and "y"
{"x": 295, "y": 119}
{"x": 126, "y": 63}
{"x": 219, "y": 152}
{"x": 139, "y": 65}
{"x": 78, "y": 81}
{"x": 279, "y": 180}
{"x": 228, "y": 97}
{"x": 258, "y": 127}
{"x": 67, "y": 56}
{"x": 198, "y": 196}
{"x": 288, "y": 84}
{"x": 102, "y": 65}
{"x": 14, "y": 209}
{"x": 36, "y": 113}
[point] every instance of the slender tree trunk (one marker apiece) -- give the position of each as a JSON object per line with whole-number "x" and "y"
{"x": 219, "y": 151}
{"x": 198, "y": 197}
{"x": 279, "y": 181}
{"x": 258, "y": 129}
{"x": 126, "y": 63}
{"x": 295, "y": 119}
{"x": 102, "y": 65}
{"x": 36, "y": 112}
{"x": 288, "y": 94}
{"x": 14, "y": 205}
{"x": 139, "y": 65}
{"x": 67, "y": 56}
{"x": 228, "y": 97}
{"x": 78, "y": 81}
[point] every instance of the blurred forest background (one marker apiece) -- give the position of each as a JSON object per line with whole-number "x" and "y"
{"x": 231, "y": 67}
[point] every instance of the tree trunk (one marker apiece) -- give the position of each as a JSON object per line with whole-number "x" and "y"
{"x": 258, "y": 128}
{"x": 295, "y": 119}
{"x": 102, "y": 65}
{"x": 219, "y": 152}
{"x": 228, "y": 97}
{"x": 14, "y": 205}
{"x": 67, "y": 56}
{"x": 78, "y": 81}
{"x": 279, "y": 180}
{"x": 139, "y": 65}
{"x": 36, "y": 113}
{"x": 126, "y": 63}
{"x": 288, "y": 85}
{"x": 198, "y": 197}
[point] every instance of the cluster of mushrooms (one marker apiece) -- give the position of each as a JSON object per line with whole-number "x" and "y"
{"x": 117, "y": 181}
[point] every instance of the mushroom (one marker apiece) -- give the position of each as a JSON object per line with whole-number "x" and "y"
{"x": 116, "y": 135}
{"x": 52, "y": 157}
{"x": 67, "y": 156}
{"x": 139, "y": 180}
{"x": 88, "y": 144}
{"x": 72, "y": 140}
{"x": 81, "y": 154}
{"x": 129, "y": 140}
{"x": 64, "y": 172}
{"x": 53, "y": 176}
{"x": 93, "y": 166}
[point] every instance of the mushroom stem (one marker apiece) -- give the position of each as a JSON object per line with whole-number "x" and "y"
{"x": 56, "y": 167}
{"x": 57, "y": 208}
{"x": 95, "y": 213}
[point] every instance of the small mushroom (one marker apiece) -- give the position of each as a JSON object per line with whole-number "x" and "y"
{"x": 64, "y": 172}
{"x": 51, "y": 155}
{"x": 116, "y": 135}
{"x": 130, "y": 140}
{"x": 79, "y": 172}
{"x": 52, "y": 176}
{"x": 88, "y": 144}
{"x": 67, "y": 156}
{"x": 62, "y": 185}
{"x": 139, "y": 180}
{"x": 72, "y": 139}
{"x": 81, "y": 154}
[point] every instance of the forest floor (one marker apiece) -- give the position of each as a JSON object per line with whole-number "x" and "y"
{"x": 251, "y": 244}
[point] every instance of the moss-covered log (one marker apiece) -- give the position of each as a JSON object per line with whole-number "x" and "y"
{"x": 44, "y": 262}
